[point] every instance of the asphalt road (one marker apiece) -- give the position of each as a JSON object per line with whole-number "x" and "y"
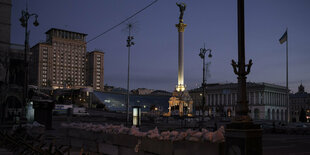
{"x": 283, "y": 144}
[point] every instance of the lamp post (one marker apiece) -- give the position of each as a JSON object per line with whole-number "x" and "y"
{"x": 242, "y": 136}
{"x": 24, "y": 22}
{"x": 202, "y": 54}
{"x": 129, "y": 44}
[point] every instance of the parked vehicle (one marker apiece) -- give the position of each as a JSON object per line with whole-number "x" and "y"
{"x": 61, "y": 109}
{"x": 80, "y": 111}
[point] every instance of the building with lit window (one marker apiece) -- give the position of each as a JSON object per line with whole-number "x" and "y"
{"x": 266, "y": 101}
{"x": 298, "y": 102}
{"x": 60, "y": 62}
{"x": 95, "y": 70}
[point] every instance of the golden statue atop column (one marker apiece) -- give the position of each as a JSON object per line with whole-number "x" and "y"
{"x": 181, "y": 26}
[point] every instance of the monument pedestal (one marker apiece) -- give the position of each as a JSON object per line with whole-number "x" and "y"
{"x": 180, "y": 104}
{"x": 243, "y": 138}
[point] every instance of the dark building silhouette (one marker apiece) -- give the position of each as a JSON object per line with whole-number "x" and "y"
{"x": 5, "y": 39}
{"x": 11, "y": 69}
{"x": 299, "y": 101}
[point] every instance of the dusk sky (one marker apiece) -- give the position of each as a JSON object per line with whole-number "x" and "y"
{"x": 154, "y": 55}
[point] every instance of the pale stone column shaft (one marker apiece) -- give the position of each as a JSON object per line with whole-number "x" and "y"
{"x": 181, "y": 59}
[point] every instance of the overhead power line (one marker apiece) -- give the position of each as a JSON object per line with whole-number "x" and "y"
{"x": 113, "y": 27}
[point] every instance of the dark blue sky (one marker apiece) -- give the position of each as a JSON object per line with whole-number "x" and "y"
{"x": 154, "y": 56}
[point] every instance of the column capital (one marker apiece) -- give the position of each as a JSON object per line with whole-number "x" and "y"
{"x": 181, "y": 27}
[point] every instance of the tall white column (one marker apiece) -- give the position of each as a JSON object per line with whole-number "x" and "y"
{"x": 181, "y": 86}
{"x": 254, "y": 97}
{"x": 231, "y": 97}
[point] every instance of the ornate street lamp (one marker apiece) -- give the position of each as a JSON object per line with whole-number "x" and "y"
{"x": 129, "y": 44}
{"x": 202, "y": 54}
{"x": 24, "y": 22}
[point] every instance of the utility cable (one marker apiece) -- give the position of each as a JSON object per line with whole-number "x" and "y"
{"x": 113, "y": 27}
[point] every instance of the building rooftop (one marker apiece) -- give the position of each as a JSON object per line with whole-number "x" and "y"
{"x": 235, "y": 85}
{"x": 64, "y": 31}
{"x": 96, "y": 51}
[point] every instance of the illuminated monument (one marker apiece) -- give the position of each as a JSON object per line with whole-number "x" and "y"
{"x": 180, "y": 103}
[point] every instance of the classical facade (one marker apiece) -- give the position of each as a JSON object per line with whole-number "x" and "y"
{"x": 298, "y": 102}
{"x": 266, "y": 101}
{"x": 59, "y": 62}
{"x": 95, "y": 70}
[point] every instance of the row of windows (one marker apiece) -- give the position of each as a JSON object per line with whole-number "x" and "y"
{"x": 78, "y": 80}
{"x": 67, "y": 68}
{"x": 66, "y": 82}
{"x": 68, "y": 53}
{"x": 253, "y": 98}
{"x": 69, "y": 57}
{"x": 67, "y": 61}
{"x": 60, "y": 69}
{"x": 78, "y": 65}
{"x": 67, "y": 75}
{"x": 63, "y": 45}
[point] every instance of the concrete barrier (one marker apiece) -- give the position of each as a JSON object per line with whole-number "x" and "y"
{"x": 122, "y": 144}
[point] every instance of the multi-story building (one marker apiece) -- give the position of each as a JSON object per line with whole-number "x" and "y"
{"x": 298, "y": 102}
{"x": 95, "y": 70}
{"x": 266, "y": 101}
{"x": 5, "y": 33}
{"x": 17, "y": 64}
{"x": 60, "y": 62}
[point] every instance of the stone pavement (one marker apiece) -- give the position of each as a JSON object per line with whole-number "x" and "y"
{"x": 5, "y": 152}
{"x": 283, "y": 144}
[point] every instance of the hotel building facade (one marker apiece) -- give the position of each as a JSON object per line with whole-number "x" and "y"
{"x": 60, "y": 62}
{"x": 95, "y": 70}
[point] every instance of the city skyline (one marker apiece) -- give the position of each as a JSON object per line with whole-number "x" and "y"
{"x": 154, "y": 56}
